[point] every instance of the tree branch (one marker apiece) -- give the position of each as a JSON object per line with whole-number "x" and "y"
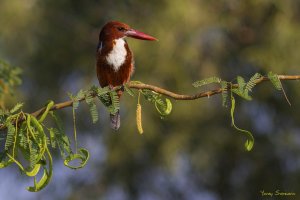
{"x": 201, "y": 94}
{"x": 165, "y": 92}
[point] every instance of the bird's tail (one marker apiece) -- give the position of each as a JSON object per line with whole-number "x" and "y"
{"x": 115, "y": 121}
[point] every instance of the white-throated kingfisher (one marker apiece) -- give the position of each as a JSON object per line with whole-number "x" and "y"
{"x": 115, "y": 63}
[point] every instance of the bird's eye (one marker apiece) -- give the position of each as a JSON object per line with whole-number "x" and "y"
{"x": 121, "y": 29}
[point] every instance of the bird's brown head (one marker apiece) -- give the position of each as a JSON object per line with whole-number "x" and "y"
{"x": 115, "y": 30}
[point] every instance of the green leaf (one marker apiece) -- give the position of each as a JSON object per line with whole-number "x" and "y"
{"x": 224, "y": 86}
{"x": 16, "y": 108}
{"x": 277, "y": 84}
{"x": 241, "y": 83}
{"x": 115, "y": 106}
{"x": 5, "y": 160}
{"x": 23, "y": 141}
{"x": 93, "y": 108}
{"x": 62, "y": 141}
{"x": 40, "y": 141}
{"x": 109, "y": 98}
{"x": 11, "y": 131}
{"x": 34, "y": 171}
{"x": 207, "y": 81}
{"x": 252, "y": 82}
{"x": 101, "y": 91}
{"x": 52, "y": 138}
{"x": 83, "y": 156}
{"x": 164, "y": 108}
{"x": 47, "y": 175}
{"x": 241, "y": 90}
{"x": 58, "y": 136}
{"x": 48, "y": 107}
{"x": 105, "y": 99}
{"x": 275, "y": 80}
{"x": 250, "y": 139}
{"x": 57, "y": 121}
{"x": 129, "y": 91}
{"x": 242, "y": 94}
{"x": 80, "y": 95}
{"x": 150, "y": 95}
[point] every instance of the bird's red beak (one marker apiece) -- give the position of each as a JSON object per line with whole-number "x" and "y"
{"x": 139, "y": 35}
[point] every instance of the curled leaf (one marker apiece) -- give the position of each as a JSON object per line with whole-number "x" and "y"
{"x": 48, "y": 107}
{"x": 164, "y": 108}
{"x": 250, "y": 140}
{"x": 83, "y": 156}
{"x": 33, "y": 172}
{"x": 41, "y": 141}
{"x": 44, "y": 181}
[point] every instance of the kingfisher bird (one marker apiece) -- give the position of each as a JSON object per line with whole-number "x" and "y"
{"x": 115, "y": 63}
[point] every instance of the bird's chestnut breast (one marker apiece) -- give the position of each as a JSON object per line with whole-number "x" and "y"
{"x": 114, "y": 63}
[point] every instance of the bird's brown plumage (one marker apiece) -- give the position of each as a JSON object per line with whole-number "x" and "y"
{"x": 105, "y": 71}
{"x": 114, "y": 58}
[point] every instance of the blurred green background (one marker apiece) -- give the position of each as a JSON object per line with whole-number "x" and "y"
{"x": 192, "y": 154}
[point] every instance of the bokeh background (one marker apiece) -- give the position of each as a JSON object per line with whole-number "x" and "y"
{"x": 192, "y": 154}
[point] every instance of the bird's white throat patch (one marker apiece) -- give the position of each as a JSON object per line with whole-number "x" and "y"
{"x": 117, "y": 55}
